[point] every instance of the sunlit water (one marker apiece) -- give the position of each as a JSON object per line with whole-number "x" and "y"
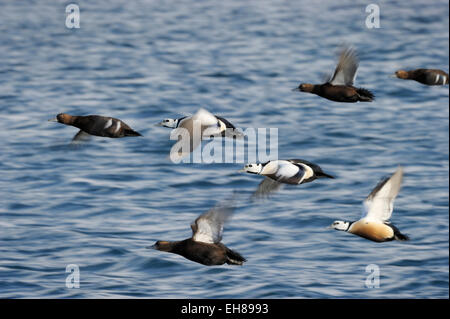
{"x": 99, "y": 205}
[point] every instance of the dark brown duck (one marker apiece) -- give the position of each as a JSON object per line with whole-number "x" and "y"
{"x": 424, "y": 76}
{"x": 96, "y": 125}
{"x": 339, "y": 87}
{"x": 204, "y": 246}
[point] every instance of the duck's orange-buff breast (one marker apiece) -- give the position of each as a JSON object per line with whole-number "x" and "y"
{"x": 372, "y": 230}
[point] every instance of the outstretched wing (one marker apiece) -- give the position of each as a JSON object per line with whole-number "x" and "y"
{"x": 80, "y": 137}
{"x": 380, "y": 202}
{"x": 266, "y": 187}
{"x": 345, "y": 72}
{"x": 208, "y": 228}
{"x": 190, "y": 131}
{"x": 205, "y": 118}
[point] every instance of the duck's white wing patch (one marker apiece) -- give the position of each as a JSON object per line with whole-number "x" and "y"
{"x": 286, "y": 170}
{"x": 380, "y": 202}
{"x": 108, "y": 124}
{"x": 437, "y": 78}
{"x": 208, "y": 228}
{"x": 345, "y": 73}
{"x": 208, "y": 233}
{"x": 118, "y": 124}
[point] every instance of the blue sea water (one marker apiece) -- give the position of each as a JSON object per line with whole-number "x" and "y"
{"x": 99, "y": 205}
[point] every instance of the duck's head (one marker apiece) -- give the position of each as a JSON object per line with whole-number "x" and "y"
{"x": 254, "y": 168}
{"x": 161, "y": 245}
{"x": 170, "y": 123}
{"x": 401, "y": 74}
{"x": 62, "y": 118}
{"x": 305, "y": 87}
{"x": 340, "y": 225}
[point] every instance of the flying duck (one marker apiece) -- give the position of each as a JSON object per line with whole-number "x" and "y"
{"x": 226, "y": 128}
{"x": 424, "y": 76}
{"x": 374, "y": 224}
{"x": 191, "y": 130}
{"x": 339, "y": 87}
{"x": 204, "y": 246}
{"x": 278, "y": 172}
{"x": 95, "y": 125}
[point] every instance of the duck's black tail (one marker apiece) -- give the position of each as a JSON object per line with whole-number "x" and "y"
{"x": 234, "y": 258}
{"x": 365, "y": 95}
{"x": 322, "y": 174}
{"x": 399, "y": 236}
{"x": 131, "y": 133}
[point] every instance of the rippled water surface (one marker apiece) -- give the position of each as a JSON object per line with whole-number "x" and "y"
{"x": 99, "y": 205}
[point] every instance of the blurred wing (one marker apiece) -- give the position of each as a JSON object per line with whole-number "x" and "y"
{"x": 80, "y": 137}
{"x": 266, "y": 187}
{"x": 205, "y": 118}
{"x": 187, "y": 140}
{"x": 208, "y": 123}
{"x": 380, "y": 202}
{"x": 326, "y": 77}
{"x": 208, "y": 228}
{"x": 345, "y": 72}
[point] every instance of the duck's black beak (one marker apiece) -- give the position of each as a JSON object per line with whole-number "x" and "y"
{"x": 296, "y": 89}
{"x": 53, "y": 120}
{"x": 151, "y": 247}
